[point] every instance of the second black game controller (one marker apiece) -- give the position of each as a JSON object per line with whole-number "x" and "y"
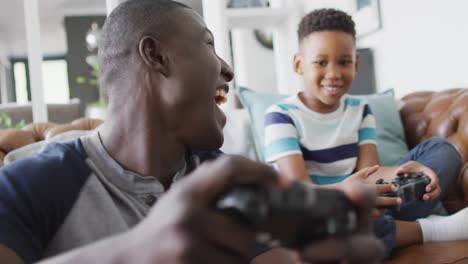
{"x": 409, "y": 187}
{"x": 294, "y": 217}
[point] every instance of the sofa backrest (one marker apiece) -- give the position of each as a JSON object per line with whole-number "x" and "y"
{"x": 444, "y": 114}
{"x": 57, "y": 113}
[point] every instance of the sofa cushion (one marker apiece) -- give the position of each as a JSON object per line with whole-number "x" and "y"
{"x": 390, "y": 134}
{"x": 256, "y": 105}
{"x": 238, "y": 138}
{"x": 391, "y": 142}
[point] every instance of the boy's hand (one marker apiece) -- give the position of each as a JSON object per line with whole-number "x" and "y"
{"x": 384, "y": 201}
{"x": 361, "y": 176}
{"x": 433, "y": 188}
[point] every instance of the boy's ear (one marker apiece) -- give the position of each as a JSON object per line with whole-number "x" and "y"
{"x": 297, "y": 64}
{"x": 153, "y": 54}
{"x": 357, "y": 64}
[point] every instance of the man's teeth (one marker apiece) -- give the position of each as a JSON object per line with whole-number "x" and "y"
{"x": 220, "y": 92}
{"x": 220, "y": 97}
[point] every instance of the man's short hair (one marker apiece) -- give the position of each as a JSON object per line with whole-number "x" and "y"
{"x": 123, "y": 29}
{"x": 326, "y": 19}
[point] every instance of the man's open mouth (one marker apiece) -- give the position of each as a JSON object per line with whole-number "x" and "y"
{"x": 221, "y": 95}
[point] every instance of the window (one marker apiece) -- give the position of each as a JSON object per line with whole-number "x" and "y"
{"x": 21, "y": 82}
{"x": 54, "y": 81}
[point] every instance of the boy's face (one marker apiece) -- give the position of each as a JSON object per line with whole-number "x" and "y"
{"x": 197, "y": 76}
{"x": 328, "y": 62}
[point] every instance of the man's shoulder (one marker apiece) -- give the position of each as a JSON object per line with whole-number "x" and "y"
{"x": 36, "y": 195}
{"x": 54, "y": 158}
{"x": 59, "y": 167}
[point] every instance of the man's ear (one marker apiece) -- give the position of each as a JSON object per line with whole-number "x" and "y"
{"x": 297, "y": 64}
{"x": 154, "y": 55}
{"x": 357, "y": 64}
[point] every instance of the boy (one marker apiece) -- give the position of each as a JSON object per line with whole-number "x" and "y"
{"x": 322, "y": 135}
{"x": 91, "y": 200}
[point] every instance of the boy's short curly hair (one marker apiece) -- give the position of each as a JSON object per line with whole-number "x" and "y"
{"x": 326, "y": 19}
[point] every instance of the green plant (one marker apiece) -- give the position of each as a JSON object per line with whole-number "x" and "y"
{"x": 5, "y": 121}
{"x": 93, "y": 80}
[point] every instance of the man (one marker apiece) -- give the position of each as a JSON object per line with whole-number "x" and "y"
{"x": 163, "y": 80}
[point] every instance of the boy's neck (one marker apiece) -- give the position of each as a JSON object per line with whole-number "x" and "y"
{"x": 316, "y": 105}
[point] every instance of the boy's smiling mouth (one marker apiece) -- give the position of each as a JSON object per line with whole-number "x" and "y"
{"x": 221, "y": 94}
{"x": 332, "y": 89}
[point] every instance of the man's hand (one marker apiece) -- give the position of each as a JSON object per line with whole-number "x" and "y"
{"x": 361, "y": 247}
{"x": 433, "y": 189}
{"x": 184, "y": 226}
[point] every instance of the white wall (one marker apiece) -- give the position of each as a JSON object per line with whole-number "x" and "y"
{"x": 423, "y": 45}
{"x": 345, "y": 5}
{"x": 3, "y": 52}
{"x": 253, "y": 64}
{"x": 53, "y": 40}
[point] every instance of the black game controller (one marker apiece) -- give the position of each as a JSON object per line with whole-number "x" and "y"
{"x": 409, "y": 187}
{"x": 294, "y": 217}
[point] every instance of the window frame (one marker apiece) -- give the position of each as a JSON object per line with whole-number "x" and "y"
{"x": 22, "y": 59}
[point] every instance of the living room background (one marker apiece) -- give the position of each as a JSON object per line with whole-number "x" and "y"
{"x": 419, "y": 46}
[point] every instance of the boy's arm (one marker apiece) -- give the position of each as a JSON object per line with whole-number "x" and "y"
{"x": 368, "y": 156}
{"x": 367, "y": 136}
{"x": 282, "y": 145}
{"x": 293, "y": 167}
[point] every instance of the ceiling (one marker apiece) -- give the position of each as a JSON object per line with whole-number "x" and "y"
{"x": 51, "y": 12}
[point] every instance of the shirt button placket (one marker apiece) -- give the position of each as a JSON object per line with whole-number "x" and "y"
{"x": 150, "y": 200}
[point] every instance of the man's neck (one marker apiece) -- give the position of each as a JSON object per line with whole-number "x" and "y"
{"x": 145, "y": 149}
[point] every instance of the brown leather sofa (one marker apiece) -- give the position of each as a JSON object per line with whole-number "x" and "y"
{"x": 11, "y": 139}
{"x": 424, "y": 114}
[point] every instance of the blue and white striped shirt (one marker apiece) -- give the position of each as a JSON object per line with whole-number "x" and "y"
{"x": 329, "y": 143}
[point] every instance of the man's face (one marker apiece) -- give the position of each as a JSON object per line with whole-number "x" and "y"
{"x": 198, "y": 81}
{"x": 328, "y": 62}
